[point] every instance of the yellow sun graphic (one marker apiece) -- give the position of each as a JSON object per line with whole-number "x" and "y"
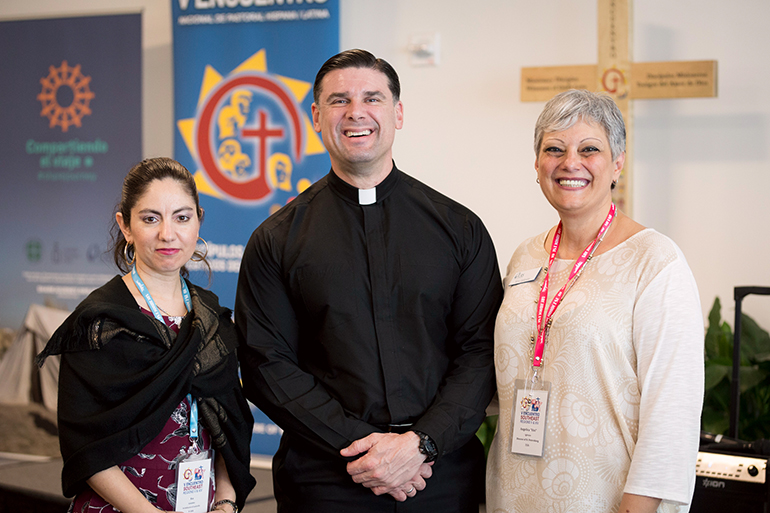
{"x": 211, "y": 77}
{"x": 65, "y": 76}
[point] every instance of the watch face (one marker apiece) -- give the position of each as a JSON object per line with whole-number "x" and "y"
{"x": 427, "y": 447}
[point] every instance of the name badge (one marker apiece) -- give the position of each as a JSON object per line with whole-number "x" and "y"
{"x": 193, "y": 485}
{"x": 530, "y": 406}
{"x": 525, "y": 276}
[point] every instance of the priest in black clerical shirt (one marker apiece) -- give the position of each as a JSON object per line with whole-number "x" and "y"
{"x": 366, "y": 308}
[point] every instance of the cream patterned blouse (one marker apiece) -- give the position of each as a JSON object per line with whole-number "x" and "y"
{"x": 625, "y": 360}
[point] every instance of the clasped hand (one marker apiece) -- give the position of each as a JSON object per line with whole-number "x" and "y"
{"x": 392, "y": 464}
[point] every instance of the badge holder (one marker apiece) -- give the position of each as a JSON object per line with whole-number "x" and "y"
{"x": 529, "y": 414}
{"x": 194, "y": 468}
{"x": 530, "y": 396}
{"x": 193, "y": 472}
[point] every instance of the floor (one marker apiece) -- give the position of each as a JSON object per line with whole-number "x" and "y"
{"x": 41, "y": 476}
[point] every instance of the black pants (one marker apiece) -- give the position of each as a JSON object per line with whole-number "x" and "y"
{"x": 306, "y": 481}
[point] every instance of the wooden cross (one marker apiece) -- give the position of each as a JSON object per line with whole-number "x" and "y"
{"x": 623, "y": 79}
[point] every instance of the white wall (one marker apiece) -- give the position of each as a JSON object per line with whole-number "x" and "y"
{"x": 701, "y": 165}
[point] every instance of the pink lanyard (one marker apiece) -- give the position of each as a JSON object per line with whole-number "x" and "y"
{"x": 542, "y": 328}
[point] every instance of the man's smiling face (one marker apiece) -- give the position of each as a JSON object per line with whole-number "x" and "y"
{"x": 357, "y": 118}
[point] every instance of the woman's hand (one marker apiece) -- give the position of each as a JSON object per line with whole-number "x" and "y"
{"x": 225, "y": 490}
{"x": 638, "y": 504}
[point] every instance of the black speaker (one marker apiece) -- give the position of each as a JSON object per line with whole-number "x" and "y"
{"x": 726, "y": 483}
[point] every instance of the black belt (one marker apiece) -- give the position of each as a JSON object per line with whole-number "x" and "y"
{"x": 396, "y": 428}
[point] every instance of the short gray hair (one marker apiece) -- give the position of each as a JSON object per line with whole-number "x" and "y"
{"x": 567, "y": 108}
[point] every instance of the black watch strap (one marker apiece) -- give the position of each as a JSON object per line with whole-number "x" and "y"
{"x": 427, "y": 446}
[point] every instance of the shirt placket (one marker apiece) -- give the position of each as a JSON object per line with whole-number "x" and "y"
{"x": 382, "y": 308}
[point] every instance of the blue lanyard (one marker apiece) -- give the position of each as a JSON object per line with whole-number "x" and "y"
{"x": 148, "y": 298}
{"x": 193, "y": 419}
{"x": 156, "y": 312}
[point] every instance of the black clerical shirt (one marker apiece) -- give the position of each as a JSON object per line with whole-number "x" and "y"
{"x": 355, "y": 316}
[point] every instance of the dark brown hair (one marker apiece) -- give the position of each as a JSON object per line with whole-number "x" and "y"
{"x": 135, "y": 185}
{"x": 358, "y": 59}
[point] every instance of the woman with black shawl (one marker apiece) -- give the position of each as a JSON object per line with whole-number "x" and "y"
{"x": 147, "y": 359}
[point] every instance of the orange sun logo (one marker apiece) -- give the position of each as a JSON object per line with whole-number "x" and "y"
{"x": 78, "y": 85}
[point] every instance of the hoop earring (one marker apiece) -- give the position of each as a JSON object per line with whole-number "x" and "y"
{"x": 129, "y": 263}
{"x": 205, "y": 253}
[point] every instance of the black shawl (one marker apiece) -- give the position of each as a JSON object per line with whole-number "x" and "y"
{"x": 124, "y": 372}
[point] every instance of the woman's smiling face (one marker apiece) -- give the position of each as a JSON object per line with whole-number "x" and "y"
{"x": 576, "y": 169}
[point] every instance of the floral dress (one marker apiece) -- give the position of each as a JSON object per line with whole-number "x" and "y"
{"x": 153, "y": 470}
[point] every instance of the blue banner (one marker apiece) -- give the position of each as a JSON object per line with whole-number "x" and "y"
{"x": 70, "y": 128}
{"x": 243, "y": 75}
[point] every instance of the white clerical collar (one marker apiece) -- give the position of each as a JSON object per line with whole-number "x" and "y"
{"x": 367, "y": 196}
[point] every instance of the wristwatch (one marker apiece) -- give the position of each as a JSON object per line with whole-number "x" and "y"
{"x": 427, "y": 446}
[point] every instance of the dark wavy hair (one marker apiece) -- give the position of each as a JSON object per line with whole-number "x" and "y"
{"x": 357, "y": 58}
{"x": 135, "y": 185}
